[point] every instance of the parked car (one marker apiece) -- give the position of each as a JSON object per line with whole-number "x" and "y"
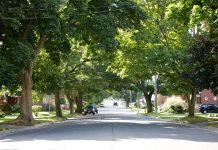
{"x": 208, "y": 108}
{"x": 101, "y": 105}
{"x": 90, "y": 109}
{"x": 96, "y": 108}
{"x": 115, "y": 104}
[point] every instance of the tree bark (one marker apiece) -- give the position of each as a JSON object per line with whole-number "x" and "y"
{"x": 71, "y": 107}
{"x": 148, "y": 101}
{"x": 127, "y": 104}
{"x": 191, "y": 104}
{"x": 71, "y": 103}
{"x": 26, "y": 116}
{"x": 79, "y": 103}
{"x": 57, "y": 104}
{"x": 147, "y": 96}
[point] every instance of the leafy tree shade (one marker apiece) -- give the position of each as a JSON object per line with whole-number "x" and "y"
{"x": 96, "y": 23}
{"x": 48, "y": 78}
{"x": 204, "y": 54}
{"x": 23, "y": 32}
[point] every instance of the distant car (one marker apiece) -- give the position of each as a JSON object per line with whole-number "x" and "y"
{"x": 115, "y": 104}
{"x": 96, "y": 108}
{"x": 208, "y": 108}
{"x": 101, "y": 105}
{"x": 90, "y": 109}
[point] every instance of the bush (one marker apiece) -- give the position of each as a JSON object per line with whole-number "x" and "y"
{"x": 7, "y": 109}
{"x": 45, "y": 107}
{"x": 2, "y": 115}
{"x": 177, "y": 109}
{"x": 36, "y": 109}
{"x": 174, "y": 105}
{"x": 62, "y": 101}
{"x": 15, "y": 108}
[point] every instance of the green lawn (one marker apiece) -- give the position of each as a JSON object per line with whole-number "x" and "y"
{"x": 213, "y": 125}
{"x": 197, "y": 119}
{"x": 166, "y": 115}
{"x": 42, "y": 117}
{"x": 3, "y": 129}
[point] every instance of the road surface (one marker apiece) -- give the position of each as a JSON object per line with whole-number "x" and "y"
{"x": 113, "y": 129}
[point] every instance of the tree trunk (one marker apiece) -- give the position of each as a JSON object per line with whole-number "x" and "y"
{"x": 71, "y": 102}
{"x": 148, "y": 101}
{"x": 57, "y": 104}
{"x": 191, "y": 104}
{"x": 79, "y": 103}
{"x": 71, "y": 107}
{"x": 126, "y": 99}
{"x": 127, "y": 104}
{"x": 26, "y": 116}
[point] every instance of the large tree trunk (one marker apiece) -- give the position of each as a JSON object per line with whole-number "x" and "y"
{"x": 71, "y": 107}
{"x": 191, "y": 104}
{"x": 127, "y": 104}
{"x": 126, "y": 99}
{"x": 57, "y": 104}
{"x": 147, "y": 96}
{"x": 26, "y": 116}
{"x": 79, "y": 103}
{"x": 148, "y": 101}
{"x": 71, "y": 103}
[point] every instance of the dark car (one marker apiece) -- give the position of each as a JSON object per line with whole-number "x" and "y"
{"x": 208, "y": 108}
{"x": 115, "y": 104}
{"x": 90, "y": 110}
{"x": 96, "y": 109}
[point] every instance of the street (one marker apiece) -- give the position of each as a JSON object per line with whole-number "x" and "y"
{"x": 113, "y": 128}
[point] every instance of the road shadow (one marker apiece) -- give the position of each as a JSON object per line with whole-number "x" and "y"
{"x": 114, "y": 128}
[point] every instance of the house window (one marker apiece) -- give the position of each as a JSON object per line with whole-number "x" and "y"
{"x": 215, "y": 98}
{"x": 206, "y": 98}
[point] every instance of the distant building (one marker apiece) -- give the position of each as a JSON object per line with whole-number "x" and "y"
{"x": 207, "y": 97}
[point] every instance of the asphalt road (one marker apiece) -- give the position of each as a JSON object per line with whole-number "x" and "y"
{"x": 113, "y": 129}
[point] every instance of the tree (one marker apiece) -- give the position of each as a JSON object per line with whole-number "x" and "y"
{"x": 24, "y": 27}
{"x": 48, "y": 78}
{"x": 204, "y": 54}
{"x": 198, "y": 18}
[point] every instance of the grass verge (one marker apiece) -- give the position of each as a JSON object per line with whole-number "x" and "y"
{"x": 196, "y": 119}
{"x": 215, "y": 125}
{"x": 166, "y": 115}
{"x": 3, "y": 129}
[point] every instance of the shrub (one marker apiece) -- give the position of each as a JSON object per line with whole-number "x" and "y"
{"x": 174, "y": 105}
{"x": 62, "y": 101}
{"x": 36, "y": 109}
{"x": 7, "y": 109}
{"x": 45, "y": 107}
{"x": 2, "y": 115}
{"x": 15, "y": 108}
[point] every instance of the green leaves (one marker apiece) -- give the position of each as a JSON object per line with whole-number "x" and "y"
{"x": 47, "y": 76}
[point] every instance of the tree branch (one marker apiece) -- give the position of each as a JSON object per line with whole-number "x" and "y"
{"x": 41, "y": 43}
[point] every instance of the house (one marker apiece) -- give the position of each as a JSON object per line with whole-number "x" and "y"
{"x": 207, "y": 97}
